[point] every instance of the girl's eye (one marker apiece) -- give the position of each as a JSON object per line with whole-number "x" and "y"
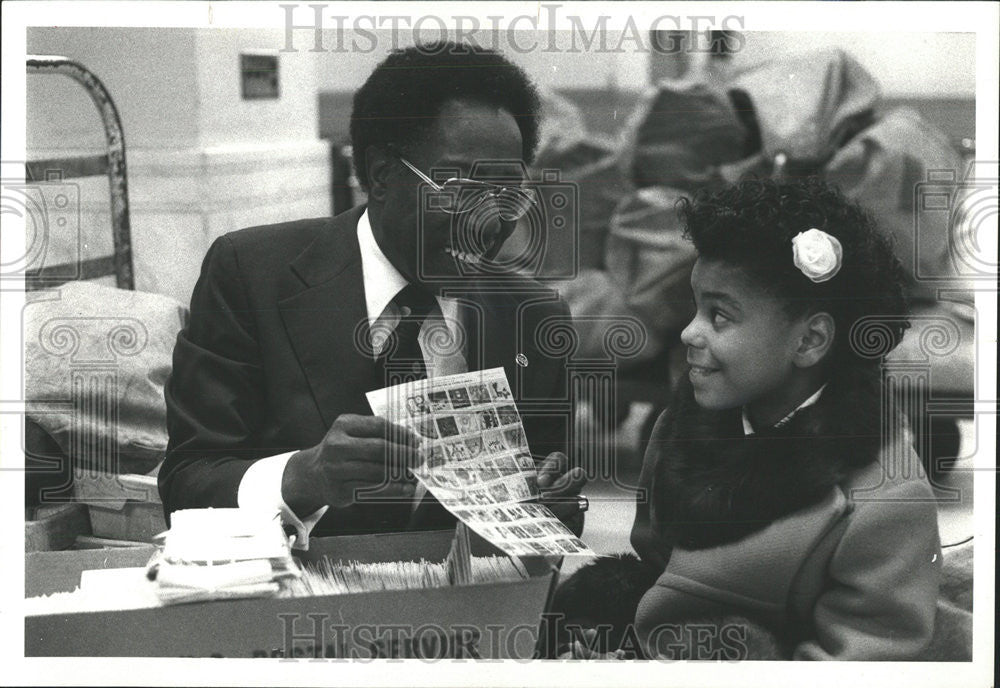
{"x": 718, "y": 317}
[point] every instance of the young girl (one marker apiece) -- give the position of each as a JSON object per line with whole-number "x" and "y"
{"x": 781, "y": 485}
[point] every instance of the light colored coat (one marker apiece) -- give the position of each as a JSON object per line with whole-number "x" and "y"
{"x": 854, "y": 576}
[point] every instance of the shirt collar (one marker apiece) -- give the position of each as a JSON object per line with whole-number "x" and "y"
{"x": 748, "y": 427}
{"x": 382, "y": 281}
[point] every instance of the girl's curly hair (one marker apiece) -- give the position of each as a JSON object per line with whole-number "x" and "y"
{"x": 751, "y": 225}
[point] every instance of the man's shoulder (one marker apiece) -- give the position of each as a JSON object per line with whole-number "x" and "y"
{"x": 274, "y": 246}
{"x": 276, "y": 240}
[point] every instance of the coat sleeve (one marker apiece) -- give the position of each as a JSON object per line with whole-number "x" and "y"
{"x": 214, "y": 396}
{"x": 884, "y": 578}
{"x": 652, "y": 549}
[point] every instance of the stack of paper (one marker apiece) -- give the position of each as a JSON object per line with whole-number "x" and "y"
{"x": 326, "y": 577}
{"x": 222, "y": 553}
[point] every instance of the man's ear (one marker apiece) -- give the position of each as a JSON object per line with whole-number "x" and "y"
{"x": 379, "y": 166}
{"x": 817, "y": 339}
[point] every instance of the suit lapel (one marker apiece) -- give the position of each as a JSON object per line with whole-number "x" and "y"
{"x": 500, "y": 335}
{"x": 326, "y": 319}
{"x": 490, "y": 331}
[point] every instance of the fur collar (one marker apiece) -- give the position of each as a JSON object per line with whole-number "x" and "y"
{"x": 713, "y": 485}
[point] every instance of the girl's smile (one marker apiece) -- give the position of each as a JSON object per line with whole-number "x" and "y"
{"x": 700, "y": 371}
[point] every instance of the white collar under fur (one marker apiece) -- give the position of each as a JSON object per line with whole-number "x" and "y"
{"x": 748, "y": 427}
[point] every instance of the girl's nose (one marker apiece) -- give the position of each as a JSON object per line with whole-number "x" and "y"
{"x": 691, "y": 335}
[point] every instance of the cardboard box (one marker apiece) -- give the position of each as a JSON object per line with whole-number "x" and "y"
{"x": 49, "y": 572}
{"x": 496, "y": 620}
{"x": 122, "y": 507}
{"x": 55, "y": 526}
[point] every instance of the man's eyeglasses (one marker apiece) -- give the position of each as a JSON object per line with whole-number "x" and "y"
{"x": 459, "y": 195}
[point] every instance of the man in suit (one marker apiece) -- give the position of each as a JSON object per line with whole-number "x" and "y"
{"x": 292, "y": 324}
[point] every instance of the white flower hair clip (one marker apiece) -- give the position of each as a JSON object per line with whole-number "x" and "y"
{"x": 817, "y": 254}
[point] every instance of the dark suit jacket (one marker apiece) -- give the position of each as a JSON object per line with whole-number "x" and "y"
{"x": 269, "y": 360}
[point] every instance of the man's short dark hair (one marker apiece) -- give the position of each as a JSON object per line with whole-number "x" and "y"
{"x": 405, "y": 93}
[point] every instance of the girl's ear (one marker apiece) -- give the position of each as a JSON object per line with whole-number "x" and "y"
{"x": 378, "y": 172}
{"x": 816, "y": 340}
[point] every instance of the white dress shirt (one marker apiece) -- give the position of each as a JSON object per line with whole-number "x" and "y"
{"x": 260, "y": 487}
{"x": 748, "y": 426}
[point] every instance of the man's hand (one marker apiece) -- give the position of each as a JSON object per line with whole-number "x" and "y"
{"x": 559, "y": 488}
{"x": 582, "y": 648}
{"x": 358, "y": 452}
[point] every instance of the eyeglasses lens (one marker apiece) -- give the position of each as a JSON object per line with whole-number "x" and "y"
{"x": 512, "y": 204}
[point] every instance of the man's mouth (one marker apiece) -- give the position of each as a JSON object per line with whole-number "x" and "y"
{"x": 466, "y": 257}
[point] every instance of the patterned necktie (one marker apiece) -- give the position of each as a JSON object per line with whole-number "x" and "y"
{"x": 401, "y": 357}
{"x": 402, "y": 361}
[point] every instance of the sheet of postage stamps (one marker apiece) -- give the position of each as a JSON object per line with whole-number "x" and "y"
{"x": 476, "y": 460}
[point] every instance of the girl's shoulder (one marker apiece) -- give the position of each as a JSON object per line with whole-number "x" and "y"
{"x": 897, "y": 473}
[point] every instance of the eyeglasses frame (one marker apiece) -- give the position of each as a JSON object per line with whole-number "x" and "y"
{"x": 495, "y": 189}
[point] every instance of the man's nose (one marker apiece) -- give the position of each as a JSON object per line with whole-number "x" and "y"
{"x": 490, "y": 211}
{"x": 480, "y": 227}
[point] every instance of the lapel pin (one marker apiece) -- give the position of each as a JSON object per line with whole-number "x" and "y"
{"x": 521, "y": 360}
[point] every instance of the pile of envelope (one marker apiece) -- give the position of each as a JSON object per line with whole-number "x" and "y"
{"x": 222, "y": 553}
